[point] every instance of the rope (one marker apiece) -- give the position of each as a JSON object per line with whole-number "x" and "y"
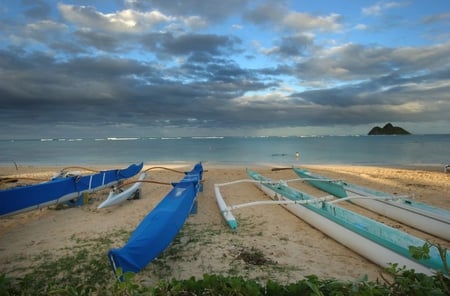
{"x": 149, "y": 181}
{"x": 80, "y": 168}
{"x": 145, "y": 181}
{"x": 10, "y": 179}
{"x": 163, "y": 168}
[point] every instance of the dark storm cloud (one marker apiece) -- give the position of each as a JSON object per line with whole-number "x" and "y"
{"x": 266, "y": 13}
{"x": 294, "y": 46}
{"x": 99, "y": 40}
{"x": 168, "y": 44}
{"x": 101, "y": 88}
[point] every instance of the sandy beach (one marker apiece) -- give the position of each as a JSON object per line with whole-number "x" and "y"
{"x": 293, "y": 249}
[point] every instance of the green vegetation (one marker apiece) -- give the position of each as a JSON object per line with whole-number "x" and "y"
{"x": 84, "y": 270}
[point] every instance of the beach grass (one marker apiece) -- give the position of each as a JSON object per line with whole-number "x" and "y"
{"x": 84, "y": 270}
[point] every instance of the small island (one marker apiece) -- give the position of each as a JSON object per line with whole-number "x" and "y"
{"x": 388, "y": 129}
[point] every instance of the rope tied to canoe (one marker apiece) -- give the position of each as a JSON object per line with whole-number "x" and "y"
{"x": 79, "y": 168}
{"x": 164, "y": 168}
{"x": 118, "y": 187}
{"x": 62, "y": 172}
{"x": 15, "y": 179}
{"x": 150, "y": 181}
{"x": 143, "y": 181}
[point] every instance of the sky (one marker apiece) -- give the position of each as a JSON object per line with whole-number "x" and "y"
{"x": 135, "y": 68}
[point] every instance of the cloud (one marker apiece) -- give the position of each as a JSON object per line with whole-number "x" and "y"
{"x": 293, "y": 46}
{"x": 195, "y": 22}
{"x": 104, "y": 89}
{"x": 306, "y": 22}
{"x": 128, "y": 20}
{"x": 212, "y": 10}
{"x": 44, "y": 32}
{"x": 37, "y": 9}
{"x": 278, "y": 15}
{"x": 401, "y": 97}
{"x": 436, "y": 18}
{"x": 98, "y": 40}
{"x": 188, "y": 43}
{"x": 357, "y": 62}
{"x": 380, "y": 7}
{"x": 361, "y": 27}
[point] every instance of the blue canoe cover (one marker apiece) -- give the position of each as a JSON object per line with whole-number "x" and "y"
{"x": 158, "y": 229}
{"x": 16, "y": 199}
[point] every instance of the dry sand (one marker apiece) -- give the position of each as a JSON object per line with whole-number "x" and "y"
{"x": 206, "y": 245}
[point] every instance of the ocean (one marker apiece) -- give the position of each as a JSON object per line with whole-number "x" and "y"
{"x": 408, "y": 150}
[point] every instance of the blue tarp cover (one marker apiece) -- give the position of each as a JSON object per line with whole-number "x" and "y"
{"x": 29, "y": 197}
{"x": 158, "y": 229}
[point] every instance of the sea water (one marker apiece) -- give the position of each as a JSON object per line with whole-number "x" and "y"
{"x": 404, "y": 150}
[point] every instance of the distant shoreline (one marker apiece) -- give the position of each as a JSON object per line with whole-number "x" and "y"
{"x": 62, "y": 139}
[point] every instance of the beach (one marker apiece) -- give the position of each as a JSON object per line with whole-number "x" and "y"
{"x": 291, "y": 249}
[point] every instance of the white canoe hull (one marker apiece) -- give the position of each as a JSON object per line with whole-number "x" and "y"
{"x": 361, "y": 245}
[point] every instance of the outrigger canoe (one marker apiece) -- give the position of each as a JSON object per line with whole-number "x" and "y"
{"x": 375, "y": 241}
{"x": 158, "y": 229}
{"x": 60, "y": 189}
{"x": 430, "y": 219}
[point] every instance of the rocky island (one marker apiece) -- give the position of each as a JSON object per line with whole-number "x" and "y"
{"x": 388, "y": 129}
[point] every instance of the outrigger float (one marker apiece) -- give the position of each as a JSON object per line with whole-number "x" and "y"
{"x": 117, "y": 196}
{"x": 375, "y": 241}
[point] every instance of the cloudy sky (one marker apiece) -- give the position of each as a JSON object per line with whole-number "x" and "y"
{"x": 236, "y": 67}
